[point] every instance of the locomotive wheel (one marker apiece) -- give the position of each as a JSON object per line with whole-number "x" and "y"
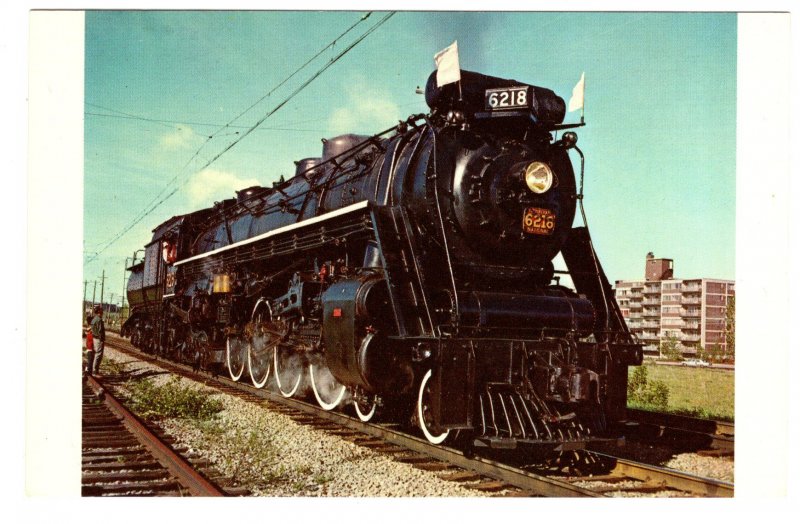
{"x": 328, "y": 391}
{"x": 259, "y": 361}
{"x": 288, "y": 371}
{"x": 365, "y": 414}
{"x": 424, "y": 416}
{"x": 234, "y": 356}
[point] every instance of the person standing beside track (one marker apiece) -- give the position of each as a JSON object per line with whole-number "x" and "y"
{"x": 87, "y": 334}
{"x": 99, "y": 336}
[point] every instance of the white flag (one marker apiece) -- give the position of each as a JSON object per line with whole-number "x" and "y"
{"x": 447, "y": 68}
{"x": 576, "y": 102}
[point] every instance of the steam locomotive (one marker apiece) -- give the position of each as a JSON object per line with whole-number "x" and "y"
{"x": 408, "y": 273}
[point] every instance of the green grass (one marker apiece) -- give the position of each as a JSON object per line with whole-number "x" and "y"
{"x": 171, "y": 400}
{"x": 111, "y": 367}
{"x": 698, "y": 392}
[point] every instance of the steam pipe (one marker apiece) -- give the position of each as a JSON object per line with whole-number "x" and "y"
{"x": 441, "y": 225}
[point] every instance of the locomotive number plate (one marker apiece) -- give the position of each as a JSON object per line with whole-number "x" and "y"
{"x": 504, "y": 98}
{"x": 538, "y": 221}
{"x": 170, "y": 280}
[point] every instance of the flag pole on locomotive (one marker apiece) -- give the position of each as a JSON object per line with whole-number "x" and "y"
{"x": 448, "y": 69}
{"x": 577, "y": 100}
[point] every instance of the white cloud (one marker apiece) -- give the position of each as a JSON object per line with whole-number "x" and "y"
{"x": 210, "y": 185}
{"x": 367, "y": 109}
{"x": 181, "y": 138}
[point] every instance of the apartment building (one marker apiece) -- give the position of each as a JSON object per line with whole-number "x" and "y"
{"x": 692, "y": 310}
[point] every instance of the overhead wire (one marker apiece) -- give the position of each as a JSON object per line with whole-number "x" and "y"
{"x": 331, "y": 44}
{"x": 155, "y": 120}
{"x": 285, "y": 126}
{"x": 296, "y": 91}
{"x": 123, "y": 114}
{"x": 149, "y": 209}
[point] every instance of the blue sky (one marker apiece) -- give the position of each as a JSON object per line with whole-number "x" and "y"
{"x": 660, "y": 139}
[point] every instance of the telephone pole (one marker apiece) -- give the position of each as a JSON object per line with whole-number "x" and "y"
{"x": 124, "y": 271}
{"x": 83, "y": 304}
{"x": 102, "y": 286}
{"x": 94, "y": 293}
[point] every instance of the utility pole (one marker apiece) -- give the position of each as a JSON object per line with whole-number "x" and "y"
{"x": 83, "y": 304}
{"x": 94, "y": 292}
{"x": 124, "y": 271}
{"x": 102, "y": 286}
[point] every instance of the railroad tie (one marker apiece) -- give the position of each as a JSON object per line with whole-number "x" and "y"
{"x": 460, "y": 476}
{"x": 434, "y": 466}
{"x": 127, "y": 475}
{"x": 601, "y": 478}
{"x": 131, "y": 489}
{"x": 489, "y": 486}
{"x": 117, "y": 465}
{"x": 644, "y": 487}
{"x": 412, "y": 459}
{"x": 716, "y": 452}
{"x": 237, "y": 491}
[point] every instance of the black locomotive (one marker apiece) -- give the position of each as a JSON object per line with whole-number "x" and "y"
{"x": 411, "y": 273}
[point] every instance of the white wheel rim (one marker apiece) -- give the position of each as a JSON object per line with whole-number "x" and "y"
{"x": 365, "y": 417}
{"x": 235, "y": 376}
{"x": 259, "y": 384}
{"x": 291, "y": 391}
{"x": 327, "y": 406}
{"x": 433, "y": 439}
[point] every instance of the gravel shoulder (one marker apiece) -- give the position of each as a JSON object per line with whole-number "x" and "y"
{"x": 272, "y": 455}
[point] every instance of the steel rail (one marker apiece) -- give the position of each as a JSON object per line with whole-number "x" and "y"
{"x": 669, "y": 478}
{"x": 712, "y": 433}
{"x": 717, "y": 427}
{"x": 197, "y": 485}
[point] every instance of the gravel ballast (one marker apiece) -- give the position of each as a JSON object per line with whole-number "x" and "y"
{"x": 272, "y": 455}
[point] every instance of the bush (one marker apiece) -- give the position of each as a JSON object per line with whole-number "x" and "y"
{"x": 172, "y": 400}
{"x": 641, "y": 390}
{"x": 637, "y": 381}
{"x": 656, "y": 394}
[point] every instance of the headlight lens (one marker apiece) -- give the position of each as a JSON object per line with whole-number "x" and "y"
{"x": 538, "y": 177}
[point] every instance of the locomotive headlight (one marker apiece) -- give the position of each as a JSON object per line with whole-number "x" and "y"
{"x": 538, "y": 177}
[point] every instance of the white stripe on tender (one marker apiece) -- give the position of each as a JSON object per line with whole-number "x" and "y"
{"x": 284, "y": 229}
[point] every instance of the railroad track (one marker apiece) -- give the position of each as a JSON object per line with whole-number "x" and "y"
{"x": 479, "y": 473}
{"x": 708, "y": 437}
{"x": 629, "y": 476}
{"x": 122, "y": 457}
